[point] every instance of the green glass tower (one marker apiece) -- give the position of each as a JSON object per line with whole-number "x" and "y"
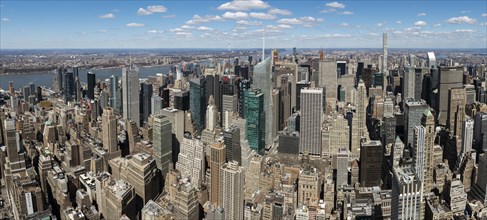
{"x": 254, "y": 112}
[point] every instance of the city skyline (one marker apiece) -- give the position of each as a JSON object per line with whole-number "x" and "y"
{"x": 239, "y": 24}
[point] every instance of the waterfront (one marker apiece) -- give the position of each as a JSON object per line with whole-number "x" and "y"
{"x": 46, "y": 78}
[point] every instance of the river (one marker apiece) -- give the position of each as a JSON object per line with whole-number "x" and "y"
{"x": 47, "y": 78}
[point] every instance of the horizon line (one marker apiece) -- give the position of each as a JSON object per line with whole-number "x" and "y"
{"x": 239, "y": 48}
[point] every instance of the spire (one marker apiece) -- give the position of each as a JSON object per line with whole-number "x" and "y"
{"x": 263, "y": 45}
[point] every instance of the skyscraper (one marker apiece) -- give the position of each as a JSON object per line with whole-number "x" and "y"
{"x": 231, "y": 138}
{"x": 145, "y": 101}
{"x": 428, "y": 123}
{"x": 263, "y": 80}
{"x": 198, "y": 102}
{"x": 342, "y": 167}
{"x": 256, "y": 118}
{"x": 370, "y": 163}
{"x": 130, "y": 89}
{"x": 384, "y": 55}
{"x": 217, "y": 159}
{"x": 413, "y": 112}
{"x": 456, "y": 111}
{"x": 310, "y": 121}
{"x": 69, "y": 89}
{"x": 162, "y": 142}
{"x": 467, "y": 135}
{"x": 431, "y": 62}
{"x": 449, "y": 77}
{"x": 232, "y": 190}
{"x": 109, "y": 129}
{"x": 329, "y": 80}
{"x": 360, "y": 106}
{"x": 113, "y": 100}
{"x": 406, "y": 194}
{"x": 408, "y": 83}
{"x": 91, "y": 85}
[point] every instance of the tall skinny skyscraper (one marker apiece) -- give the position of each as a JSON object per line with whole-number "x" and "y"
{"x": 217, "y": 159}
{"x": 311, "y": 119}
{"x": 130, "y": 93}
{"x": 467, "y": 135}
{"x": 263, "y": 80}
{"x": 162, "y": 142}
{"x": 91, "y": 85}
{"x": 384, "y": 55}
{"x": 428, "y": 123}
{"x": 360, "y": 104}
{"x": 109, "y": 129}
{"x": 232, "y": 190}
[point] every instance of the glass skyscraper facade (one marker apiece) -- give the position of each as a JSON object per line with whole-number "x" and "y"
{"x": 254, "y": 111}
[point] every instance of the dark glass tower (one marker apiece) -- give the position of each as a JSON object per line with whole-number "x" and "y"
{"x": 145, "y": 101}
{"x": 254, "y": 111}
{"x": 91, "y": 85}
{"x": 198, "y": 102}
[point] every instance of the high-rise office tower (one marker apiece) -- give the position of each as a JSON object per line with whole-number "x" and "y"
{"x": 431, "y": 62}
{"x": 113, "y": 100}
{"x": 480, "y": 131}
{"x": 213, "y": 89}
{"x": 244, "y": 85}
{"x": 229, "y": 96}
{"x": 256, "y": 118}
{"x": 406, "y": 194}
{"x": 69, "y": 91}
{"x": 456, "y": 196}
{"x": 456, "y": 111}
{"x": 310, "y": 121}
{"x": 145, "y": 101}
{"x": 370, "y": 163}
{"x": 419, "y": 151}
{"x": 211, "y": 115}
{"x": 413, "y": 112}
{"x": 339, "y": 135}
{"x": 130, "y": 94}
{"x": 428, "y": 123}
{"x": 328, "y": 78}
{"x": 263, "y": 80}
{"x": 11, "y": 140}
{"x": 418, "y": 83}
{"x": 217, "y": 159}
{"x": 231, "y": 138}
{"x": 232, "y": 190}
{"x": 59, "y": 78}
{"x": 384, "y": 55}
{"x": 342, "y": 167}
{"x": 162, "y": 142}
{"x": 156, "y": 103}
{"x": 91, "y": 85}
{"x": 408, "y": 83}
{"x": 198, "y": 102}
{"x": 449, "y": 77}
{"x": 109, "y": 129}
{"x": 360, "y": 106}
{"x": 467, "y": 135}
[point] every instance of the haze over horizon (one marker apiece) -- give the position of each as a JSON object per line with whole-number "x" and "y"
{"x": 216, "y": 24}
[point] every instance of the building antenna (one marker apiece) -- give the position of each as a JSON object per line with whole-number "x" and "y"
{"x": 263, "y": 44}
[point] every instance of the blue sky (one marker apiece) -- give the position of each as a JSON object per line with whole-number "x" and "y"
{"x": 215, "y": 24}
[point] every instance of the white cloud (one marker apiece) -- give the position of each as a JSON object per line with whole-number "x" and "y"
{"x": 151, "y": 9}
{"x": 307, "y": 21}
{"x": 249, "y": 23}
{"x": 187, "y": 27}
{"x": 345, "y": 13}
{"x": 284, "y": 26}
{"x": 168, "y": 16}
{"x": 291, "y": 21}
{"x": 420, "y": 23}
{"x": 5, "y": 19}
{"x": 329, "y": 10}
{"x": 260, "y": 15}
{"x": 154, "y": 32}
{"x": 134, "y": 25}
{"x": 344, "y": 24}
{"x": 380, "y": 24}
{"x": 398, "y": 22}
{"x": 106, "y": 16}
{"x": 373, "y": 34}
{"x": 102, "y": 31}
{"x": 277, "y": 11}
{"x": 235, "y": 15}
{"x": 203, "y": 28}
{"x": 465, "y": 12}
{"x": 176, "y": 30}
{"x": 335, "y": 5}
{"x": 464, "y": 31}
{"x": 484, "y": 15}
{"x": 437, "y": 25}
{"x": 239, "y": 5}
{"x": 208, "y": 18}
{"x": 421, "y": 14}
{"x": 461, "y": 19}
{"x": 184, "y": 33}
{"x": 240, "y": 28}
